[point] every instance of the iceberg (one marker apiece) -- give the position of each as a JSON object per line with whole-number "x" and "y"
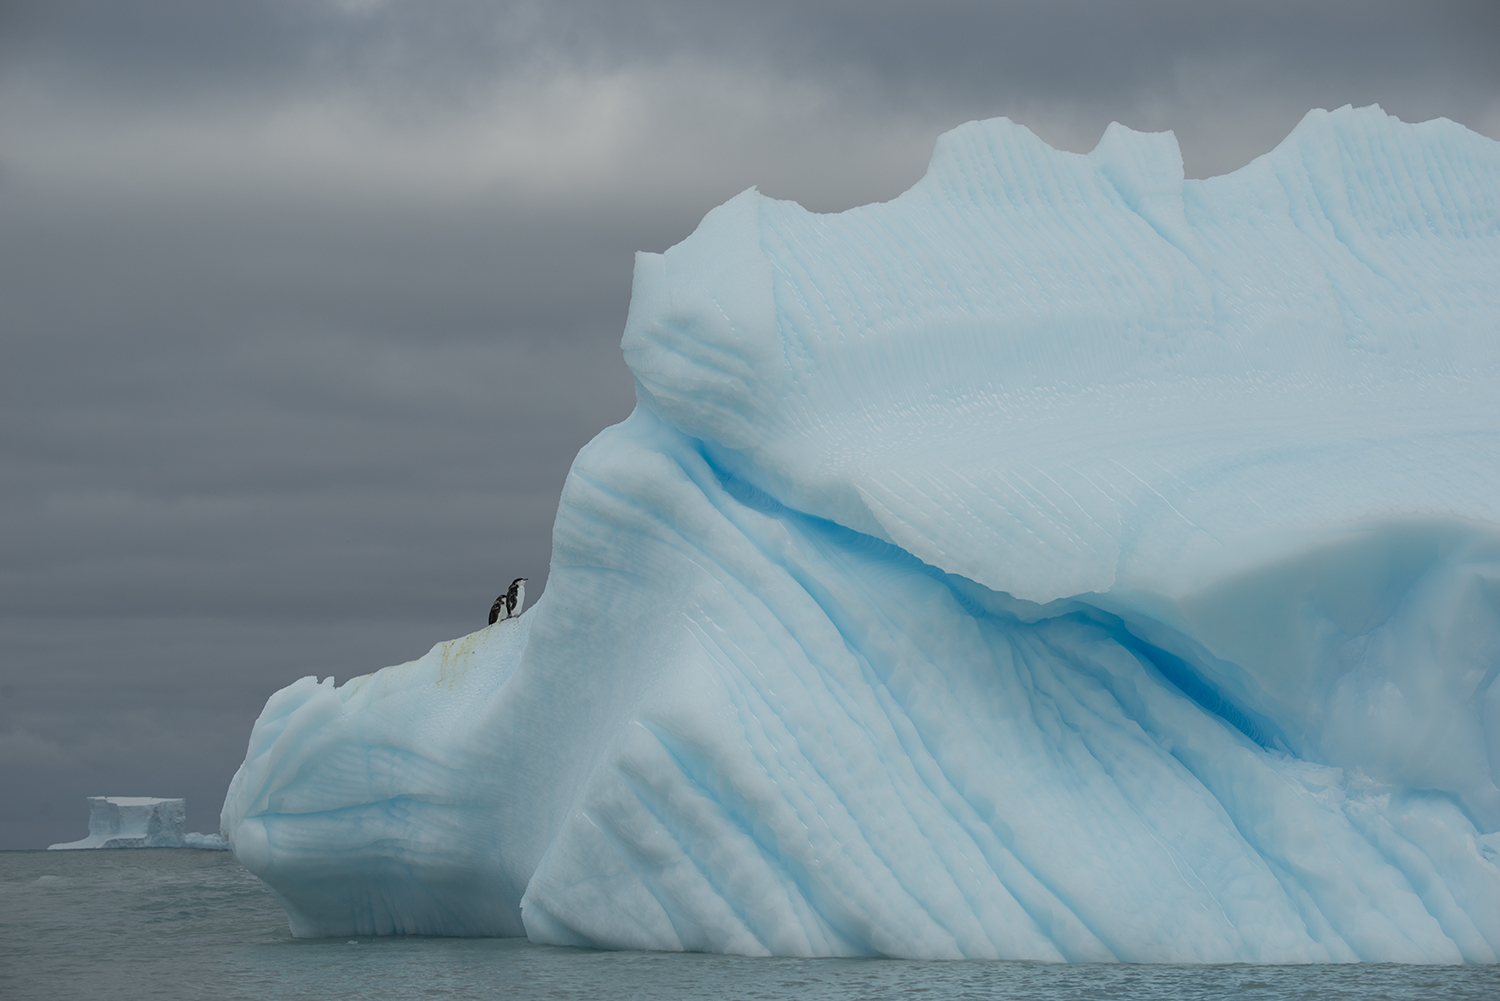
{"x": 140, "y": 822}
{"x": 1062, "y": 561}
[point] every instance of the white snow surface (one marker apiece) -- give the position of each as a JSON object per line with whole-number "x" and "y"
{"x": 1063, "y": 561}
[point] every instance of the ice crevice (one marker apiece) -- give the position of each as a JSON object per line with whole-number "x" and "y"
{"x": 1061, "y": 561}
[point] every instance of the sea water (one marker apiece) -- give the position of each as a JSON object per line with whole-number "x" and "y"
{"x": 176, "y": 923}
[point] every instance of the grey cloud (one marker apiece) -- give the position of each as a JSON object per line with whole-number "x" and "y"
{"x": 1071, "y": 48}
{"x": 936, "y": 40}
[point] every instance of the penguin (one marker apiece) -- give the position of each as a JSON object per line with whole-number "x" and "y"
{"x": 515, "y": 597}
{"x": 510, "y": 602}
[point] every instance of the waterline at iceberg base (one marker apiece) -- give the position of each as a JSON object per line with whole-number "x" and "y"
{"x": 1060, "y": 561}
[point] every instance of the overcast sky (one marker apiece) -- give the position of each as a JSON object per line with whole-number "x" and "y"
{"x": 307, "y": 305}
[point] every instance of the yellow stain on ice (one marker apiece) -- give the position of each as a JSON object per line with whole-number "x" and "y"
{"x": 454, "y": 658}
{"x": 355, "y": 684}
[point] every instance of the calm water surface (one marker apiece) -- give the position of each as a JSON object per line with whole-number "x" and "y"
{"x": 167, "y": 923}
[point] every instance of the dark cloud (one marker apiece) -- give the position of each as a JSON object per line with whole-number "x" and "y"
{"x": 1072, "y": 64}
{"x": 309, "y": 305}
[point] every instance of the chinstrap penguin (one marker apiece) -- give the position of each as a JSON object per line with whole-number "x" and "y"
{"x": 508, "y": 605}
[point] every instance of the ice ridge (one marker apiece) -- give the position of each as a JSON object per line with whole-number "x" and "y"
{"x": 1064, "y": 560}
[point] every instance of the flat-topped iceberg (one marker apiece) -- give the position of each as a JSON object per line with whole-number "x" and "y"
{"x": 140, "y": 822}
{"x": 1063, "y": 560}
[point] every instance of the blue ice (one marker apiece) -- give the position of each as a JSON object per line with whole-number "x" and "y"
{"x": 1064, "y": 560}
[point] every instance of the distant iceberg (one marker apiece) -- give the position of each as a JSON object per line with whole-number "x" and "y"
{"x": 140, "y": 822}
{"x": 1063, "y": 560}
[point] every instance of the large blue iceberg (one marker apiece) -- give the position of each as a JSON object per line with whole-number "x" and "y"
{"x": 1063, "y": 560}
